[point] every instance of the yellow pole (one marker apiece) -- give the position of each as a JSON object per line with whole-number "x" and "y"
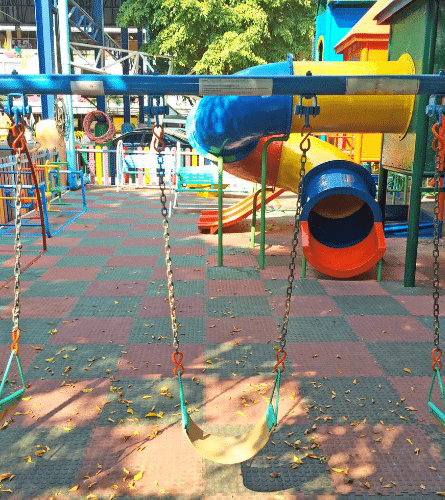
{"x": 99, "y": 166}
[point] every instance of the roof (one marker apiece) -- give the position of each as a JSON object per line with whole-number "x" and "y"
{"x": 390, "y": 8}
{"x": 366, "y": 29}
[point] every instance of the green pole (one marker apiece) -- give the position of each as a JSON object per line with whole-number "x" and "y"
{"x": 220, "y": 208}
{"x": 420, "y": 151}
{"x": 263, "y": 196}
{"x": 253, "y": 223}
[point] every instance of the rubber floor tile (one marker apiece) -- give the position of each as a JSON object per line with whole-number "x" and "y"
{"x": 100, "y": 242}
{"x": 353, "y": 287}
{"x": 369, "y": 305}
{"x": 129, "y": 221}
{"x": 180, "y": 273}
{"x": 337, "y": 359}
{"x": 319, "y": 329}
{"x": 102, "y": 234}
{"x": 186, "y": 250}
{"x": 160, "y": 363}
{"x": 68, "y": 406}
{"x": 71, "y": 362}
{"x": 45, "y": 289}
{"x": 141, "y": 242}
{"x": 35, "y": 331}
{"x": 187, "y": 288}
{"x": 158, "y": 307}
{"x": 105, "y": 307}
{"x": 69, "y": 274}
{"x": 233, "y": 273}
{"x": 397, "y": 288}
{"x": 244, "y": 401}
{"x": 233, "y": 260}
{"x": 396, "y": 358}
{"x": 43, "y": 261}
{"x": 53, "y": 469}
{"x": 414, "y": 391}
{"x": 117, "y": 288}
{"x": 159, "y": 331}
{"x": 134, "y": 251}
{"x": 149, "y": 453}
{"x": 92, "y": 331}
{"x": 306, "y": 287}
{"x": 270, "y": 470}
{"x": 389, "y": 328}
{"x": 241, "y": 330}
{"x": 32, "y": 307}
{"x": 231, "y": 360}
{"x": 153, "y": 233}
{"x": 305, "y": 306}
{"x": 236, "y": 307}
{"x": 383, "y": 458}
{"x": 231, "y": 288}
{"x": 82, "y": 261}
{"x": 63, "y": 241}
{"x": 124, "y": 272}
{"x": 133, "y": 260}
{"x": 183, "y": 260}
{"x": 27, "y": 356}
{"x": 79, "y": 227}
{"x": 420, "y": 306}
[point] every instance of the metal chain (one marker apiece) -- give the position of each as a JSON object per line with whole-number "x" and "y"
{"x": 437, "y": 173}
{"x": 168, "y": 262}
{"x": 17, "y": 240}
{"x": 296, "y": 230}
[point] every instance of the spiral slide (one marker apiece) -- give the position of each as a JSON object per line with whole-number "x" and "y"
{"x": 341, "y": 223}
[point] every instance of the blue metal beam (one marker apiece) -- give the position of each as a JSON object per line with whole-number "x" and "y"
{"x": 98, "y": 18}
{"x": 45, "y": 48}
{"x": 100, "y": 85}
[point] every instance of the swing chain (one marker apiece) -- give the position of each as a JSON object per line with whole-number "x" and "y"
{"x": 305, "y": 145}
{"x": 436, "y": 250}
{"x": 159, "y": 146}
{"x": 17, "y": 252}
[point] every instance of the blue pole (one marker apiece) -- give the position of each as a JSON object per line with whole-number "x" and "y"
{"x": 98, "y": 18}
{"x": 93, "y": 85}
{"x": 141, "y": 71}
{"x": 45, "y": 48}
{"x": 125, "y": 71}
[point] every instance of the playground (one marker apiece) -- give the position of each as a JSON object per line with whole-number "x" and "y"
{"x": 101, "y": 413}
{"x": 245, "y": 307}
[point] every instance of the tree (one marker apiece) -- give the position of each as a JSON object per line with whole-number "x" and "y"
{"x": 223, "y": 36}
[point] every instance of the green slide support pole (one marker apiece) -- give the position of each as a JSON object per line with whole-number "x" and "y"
{"x": 263, "y": 196}
{"x": 220, "y": 208}
{"x": 253, "y": 223}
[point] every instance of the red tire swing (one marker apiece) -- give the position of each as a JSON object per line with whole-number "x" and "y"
{"x": 98, "y": 116}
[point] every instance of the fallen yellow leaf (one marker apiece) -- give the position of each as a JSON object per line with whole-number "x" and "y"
{"x": 73, "y": 489}
{"x": 138, "y": 476}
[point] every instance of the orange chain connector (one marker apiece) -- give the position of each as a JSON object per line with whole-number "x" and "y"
{"x": 436, "y": 354}
{"x": 15, "y": 340}
{"x": 178, "y": 362}
{"x": 280, "y": 360}
{"x": 159, "y": 143}
{"x": 19, "y": 142}
{"x": 306, "y": 132}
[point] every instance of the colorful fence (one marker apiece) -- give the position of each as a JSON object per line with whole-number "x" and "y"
{"x": 7, "y": 181}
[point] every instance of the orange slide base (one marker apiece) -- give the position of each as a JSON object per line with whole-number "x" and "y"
{"x": 236, "y": 213}
{"x": 344, "y": 262}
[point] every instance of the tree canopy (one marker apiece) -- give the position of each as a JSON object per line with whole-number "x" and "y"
{"x": 223, "y": 36}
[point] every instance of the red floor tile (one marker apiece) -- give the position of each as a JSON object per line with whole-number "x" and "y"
{"x": 230, "y": 288}
{"x": 389, "y": 328}
{"x": 52, "y": 405}
{"x": 70, "y": 274}
{"x": 379, "y": 456}
{"x": 116, "y": 289}
{"x": 158, "y": 307}
{"x": 415, "y": 390}
{"x": 118, "y": 449}
{"x": 93, "y": 331}
{"x": 332, "y": 359}
{"x": 131, "y": 261}
{"x": 180, "y": 273}
{"x": 87, "y": 250}
{"x": 233, "y": 260}
{"x": 48, "y": 307}
{"x": 319, "y": 305}
{"x": 107, "y": 234}
{"x": 241, "y": 330}
{"x": 420, "y": 305}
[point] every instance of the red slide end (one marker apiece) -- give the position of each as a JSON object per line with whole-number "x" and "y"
{"x": 344, "y": 262}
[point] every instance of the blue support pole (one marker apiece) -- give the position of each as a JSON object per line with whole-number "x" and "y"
{"x": 125, "y": 71}
{"x": 98, "y": 18}
{"x": 45, "y": 48}
{"x": 141, "y": 71}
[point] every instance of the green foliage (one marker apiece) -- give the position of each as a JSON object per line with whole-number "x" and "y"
{"x": 223, "y": 36}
